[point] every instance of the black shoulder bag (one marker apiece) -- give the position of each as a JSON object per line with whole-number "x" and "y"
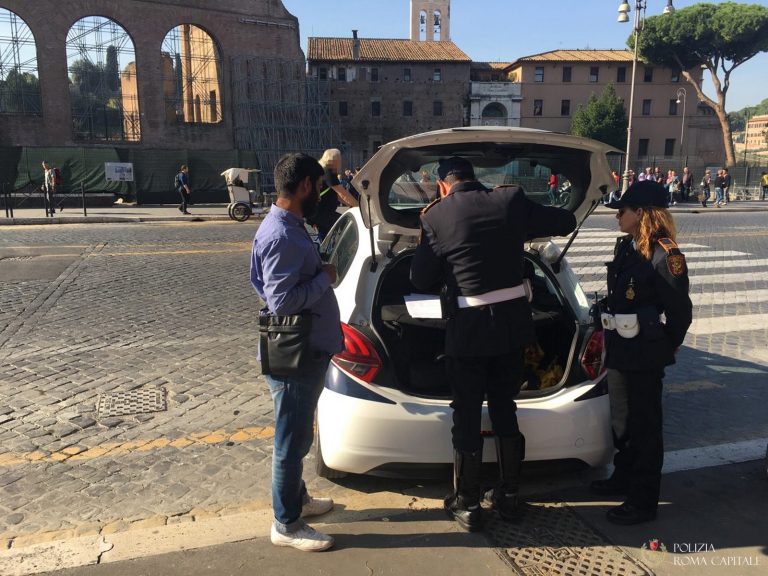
{"x": 284, "y": 343}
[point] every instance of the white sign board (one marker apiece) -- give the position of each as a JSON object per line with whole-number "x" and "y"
{"x": 118, "y": 171}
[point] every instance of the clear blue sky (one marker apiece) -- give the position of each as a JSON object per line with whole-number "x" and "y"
{"x": 504, "y": 30}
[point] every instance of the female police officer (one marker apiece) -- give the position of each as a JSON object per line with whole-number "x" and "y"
{"x": 647, "y": 277}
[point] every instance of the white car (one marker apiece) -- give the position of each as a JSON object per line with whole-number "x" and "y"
{"x": 385, "y": 407}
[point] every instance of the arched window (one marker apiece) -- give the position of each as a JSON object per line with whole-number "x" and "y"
{"x": 422, "y": 25}
{"x": 19, "y": 82}
{"x": 191, "y": 66}
{"x": 102, "y": 81}
{"x": 437, "y": 26}
{"x": 494, "y": 114}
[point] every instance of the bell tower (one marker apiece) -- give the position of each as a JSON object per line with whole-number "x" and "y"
{"x": 430, "y": 19}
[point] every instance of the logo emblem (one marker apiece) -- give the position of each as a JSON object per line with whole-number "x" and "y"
{"x": 676, "y": 264}
{"x": 653, "y": 552}
{"x": 630, "y": 293}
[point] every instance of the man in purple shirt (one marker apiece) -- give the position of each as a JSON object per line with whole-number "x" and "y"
{"x": 289, "y": 277}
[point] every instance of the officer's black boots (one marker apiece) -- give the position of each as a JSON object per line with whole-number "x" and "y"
{"x": 504, "y": 498}
{"x": 464, "y": 504}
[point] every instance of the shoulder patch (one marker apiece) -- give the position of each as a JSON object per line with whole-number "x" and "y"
{"x": 676, "y": 264}
{"x": 430, "y": 205}
{"x": 675, "y": 259}
{"x": 668, "y": 244}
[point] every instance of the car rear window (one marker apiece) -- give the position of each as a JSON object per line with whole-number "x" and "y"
{"x": 529, "y": 167}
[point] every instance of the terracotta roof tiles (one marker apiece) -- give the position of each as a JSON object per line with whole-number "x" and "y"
{"x": 579, "y": 56}
{"x": 381, "y": 50}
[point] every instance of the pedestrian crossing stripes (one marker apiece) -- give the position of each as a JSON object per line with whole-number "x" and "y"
{"x": 693, "y": 255}
{"x": 718, "y": 278}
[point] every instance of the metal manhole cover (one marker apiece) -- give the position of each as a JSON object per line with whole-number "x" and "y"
{"x": 550, "y": 539}
{"x": 139, "y": 401}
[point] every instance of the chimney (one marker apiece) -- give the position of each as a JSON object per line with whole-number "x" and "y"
{"x": 355, "y": 46}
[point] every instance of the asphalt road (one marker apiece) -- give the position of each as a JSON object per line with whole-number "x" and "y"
{"x": 90, "y": 310}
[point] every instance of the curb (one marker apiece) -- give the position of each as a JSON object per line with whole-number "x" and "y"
{"x": 122, "y": 540}
{"x": 108, "y": 220}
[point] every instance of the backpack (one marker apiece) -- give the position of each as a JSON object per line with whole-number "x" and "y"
{"x": 177, "y": 181}
{"x": 57, "y": 179}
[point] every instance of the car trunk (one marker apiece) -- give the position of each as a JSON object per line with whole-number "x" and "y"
{"x": 415, "y": 346}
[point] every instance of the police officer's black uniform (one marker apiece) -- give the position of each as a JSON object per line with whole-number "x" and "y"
{"x": 636, "y": 364}
{"x": 472, "y": 242}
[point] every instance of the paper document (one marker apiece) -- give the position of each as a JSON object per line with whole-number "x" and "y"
{"x": 423, "y": 305}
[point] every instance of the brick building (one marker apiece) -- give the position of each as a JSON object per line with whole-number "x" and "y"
{"x": 555, "y": 83}
{"x": 213, "y": 32}
{"x": 382, "y": 90}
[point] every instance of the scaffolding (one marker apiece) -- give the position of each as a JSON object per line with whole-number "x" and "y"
{"x": 277, "y": 110}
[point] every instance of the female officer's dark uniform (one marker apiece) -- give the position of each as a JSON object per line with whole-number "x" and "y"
{"x": 636, "y": 364}
{"x": 473, "y": 242}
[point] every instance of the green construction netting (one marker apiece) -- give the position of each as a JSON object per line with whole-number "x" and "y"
{"x": 154, "y": 170}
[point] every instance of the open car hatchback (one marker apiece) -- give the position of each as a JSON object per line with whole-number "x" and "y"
{"x": 385, "y": 407}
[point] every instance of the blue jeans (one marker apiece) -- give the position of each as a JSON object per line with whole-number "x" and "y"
{"x": 718, "y": 195}
{"x": 295, "y": 400}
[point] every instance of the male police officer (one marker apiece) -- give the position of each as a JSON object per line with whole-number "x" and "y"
{"x": 472, "y": 243}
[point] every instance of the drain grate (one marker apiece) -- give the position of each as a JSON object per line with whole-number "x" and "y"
{"x": 16, "y": 258}
{"x": 551, "y": 539}
{"x": 139, "y": 401}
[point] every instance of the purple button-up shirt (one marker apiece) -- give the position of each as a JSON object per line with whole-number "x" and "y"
{"x": 287, "y": 273}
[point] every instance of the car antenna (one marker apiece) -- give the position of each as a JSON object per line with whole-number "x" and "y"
{"x": 556, "y": 263}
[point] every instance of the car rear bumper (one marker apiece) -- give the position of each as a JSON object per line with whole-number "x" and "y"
{"x": 358, "y": 435}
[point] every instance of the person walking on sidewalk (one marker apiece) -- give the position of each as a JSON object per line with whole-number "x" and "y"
{"x": 706, "y": 182}
{"x": 763, "y": 185}
{"x": 686, "y": 184}
{"x": 290, "y": 278}
{"x": 647, "y": 277}
{"x": 489, "y": 320}
{"x": 51, "y": 181}
{"x": 719, "y": 186}
{"x": 727, "y": 185}
{"x": 182, "y": 187}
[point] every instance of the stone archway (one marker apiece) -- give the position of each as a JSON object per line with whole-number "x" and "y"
{"x": 494, "y": 114}
{"x": 19, "y": 80}
{"x": 101, "y": 64}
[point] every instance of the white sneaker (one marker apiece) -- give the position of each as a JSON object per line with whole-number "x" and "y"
{"x": 316, "y": 506}
{"x": 306, "y": 539}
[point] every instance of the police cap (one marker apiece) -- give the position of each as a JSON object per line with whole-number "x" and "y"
{"x": 455, "y": 166}
{"x": 642, "y": 194}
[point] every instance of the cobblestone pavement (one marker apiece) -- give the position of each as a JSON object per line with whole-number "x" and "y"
{"x": 96, "y": 310}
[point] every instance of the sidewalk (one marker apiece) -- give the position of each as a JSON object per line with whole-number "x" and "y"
{"x": 207, "y": 212}
{"x": 712, "y": 521}
{"x": 121, "y": 213}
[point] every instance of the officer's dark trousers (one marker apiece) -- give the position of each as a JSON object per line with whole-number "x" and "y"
{"x": 472, "y": 380}
{"x": 637, "y": 426}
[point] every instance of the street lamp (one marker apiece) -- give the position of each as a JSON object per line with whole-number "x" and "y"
{"x": 684, "y": 94}
{"x": 624, "y": 10}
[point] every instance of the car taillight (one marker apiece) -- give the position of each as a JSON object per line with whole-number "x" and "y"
{"x": 359, "y": 357}
{"x": 592, "y": 359}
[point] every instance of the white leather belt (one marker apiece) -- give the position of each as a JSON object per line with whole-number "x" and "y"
{"x": 626, "y": 325}
{"x": 493, "y": 297}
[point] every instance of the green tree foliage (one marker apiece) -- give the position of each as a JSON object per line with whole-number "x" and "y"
{"x": 602, "y": 119}
{"x": 738, "y": 119}
{"x": 19, "y": 93}
{"x": 720, "y": 37}
{"x": 112, "y": 69}
{"x": 96, "y": 98}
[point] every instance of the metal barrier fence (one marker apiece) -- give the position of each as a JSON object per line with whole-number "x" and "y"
{"x": 154, "y": 171}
